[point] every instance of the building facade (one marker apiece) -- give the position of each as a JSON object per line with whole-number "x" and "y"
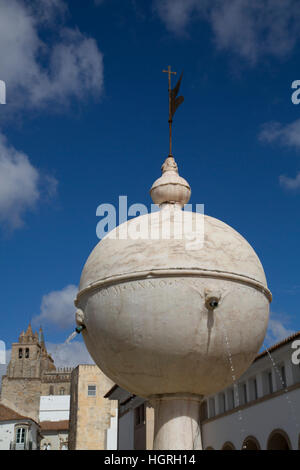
{"x": 259, "y": 411}
{"x": 54, "y": 421}
{"x": 135, "y": 420}
{"x": 31, "y": 373}
{"x": 35, "y": 388}
{"x": 18, "y": 432}
{"x": 55, "y": 435}
{"x": 93, "y": 418}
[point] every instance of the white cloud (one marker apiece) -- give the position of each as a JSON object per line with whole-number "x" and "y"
{"x": 278, "y": 329}
{"x": 37, "y": 73}
{"x": 250, "y": 28}
{"x": 176, "y": 14}
{"x": 69, "y": 355}
{"x": 290, "y": 183}
{"x": 19, "y": 185}
{"x": 286, "y": 134}
{"x": 58, "y": 308}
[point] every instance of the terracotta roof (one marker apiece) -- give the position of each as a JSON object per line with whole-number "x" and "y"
{"x": 55, "y": 425}
{"x": 7, "y": 414}
{"x": 278, "y": 345}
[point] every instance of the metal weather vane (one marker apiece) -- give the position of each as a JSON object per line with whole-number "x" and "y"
{"x": 174, "y": 102}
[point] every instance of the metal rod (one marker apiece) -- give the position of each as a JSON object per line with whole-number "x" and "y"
{"x": 169, "y": 72}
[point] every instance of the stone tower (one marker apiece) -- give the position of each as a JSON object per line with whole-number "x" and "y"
{"x": 29, "y": 357}
{"x": 31, "y": 373}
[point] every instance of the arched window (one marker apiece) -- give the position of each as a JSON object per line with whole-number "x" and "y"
{"x": 51, "y": 390}
{"x": 228, "y": 446}
{"x": 27, "y": 352}
{"x": 279, "y": 440}
{"x": 20, "y": 435}
{"x": 20, "y": 353}
{"x": 62, "y": 391}
{"x": 251, "y": 443}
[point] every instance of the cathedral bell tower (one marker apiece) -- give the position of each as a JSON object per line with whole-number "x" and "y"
{"x": 29, "y": 357}
{"x": 22, "y": 384}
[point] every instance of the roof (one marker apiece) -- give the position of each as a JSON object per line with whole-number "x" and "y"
{"x": 7, "y": 414}
{"x": 109, "y": 393}
{"x": 278, "y": 345}
{"x": 55, "y": 425}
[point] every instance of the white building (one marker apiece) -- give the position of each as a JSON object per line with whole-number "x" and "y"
{"x": 260, "y": 411}
{"x": 55, "y": 435}
{"x": 54, "y": 420}
{"x": 17, "y": 432}
{"x": 54, "y": 407}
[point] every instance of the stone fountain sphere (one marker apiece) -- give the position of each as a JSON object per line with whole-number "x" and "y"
{"x": 146, "y": 305}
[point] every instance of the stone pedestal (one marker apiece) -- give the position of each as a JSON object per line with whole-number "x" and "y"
{"x": 177, "y": 422}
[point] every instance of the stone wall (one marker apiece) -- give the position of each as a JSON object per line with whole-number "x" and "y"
{"x": 22, "y": 395}
{"x": 55, "y": 387}
{"x": 89, "y": 415}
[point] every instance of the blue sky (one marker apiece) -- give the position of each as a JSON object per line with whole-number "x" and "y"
{"x": 86, "y": 121}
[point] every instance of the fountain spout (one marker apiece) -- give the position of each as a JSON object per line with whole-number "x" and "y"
{"x": 79, "y": 328}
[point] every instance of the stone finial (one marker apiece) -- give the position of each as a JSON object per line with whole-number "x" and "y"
{"x": 29, "y": 332}
{"x": 21, "y": 337}
{"x": 170, "y": 188}
{"x": 41, "y": 338}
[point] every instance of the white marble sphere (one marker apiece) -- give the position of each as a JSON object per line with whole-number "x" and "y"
{"x": 164, "y": 317}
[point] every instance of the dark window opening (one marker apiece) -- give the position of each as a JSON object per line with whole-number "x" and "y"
{"x": 283, "y": 377}
{"x": 270, "y": 382}
{"x": 140, "y": 415}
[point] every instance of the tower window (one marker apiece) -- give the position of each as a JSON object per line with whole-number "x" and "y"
{"x": 20, "y": 353}
{"x": 27, "y": 352}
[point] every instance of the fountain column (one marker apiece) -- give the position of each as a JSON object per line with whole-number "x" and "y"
{"x": 177, "y": 422}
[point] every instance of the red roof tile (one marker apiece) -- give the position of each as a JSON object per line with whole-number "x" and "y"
{"x": 7, "y": 414}
{"x": 55, "y": 425}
